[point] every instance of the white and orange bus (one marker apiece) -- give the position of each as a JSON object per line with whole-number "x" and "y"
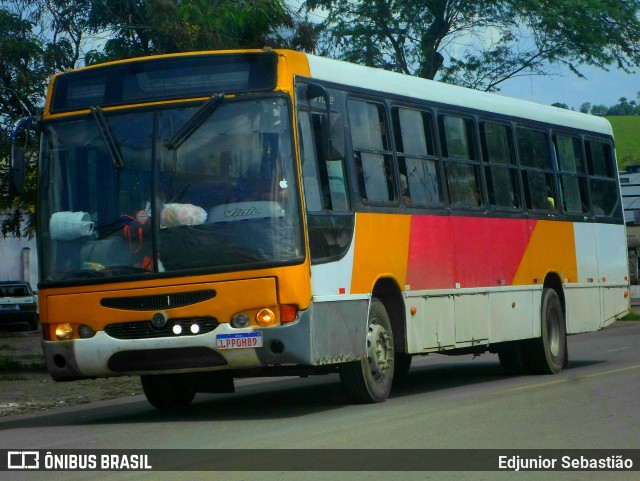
{"x": 215, "y": 215}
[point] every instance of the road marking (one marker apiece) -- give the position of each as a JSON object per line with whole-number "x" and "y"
{"x": 620, "y": 349}
{"x": 564, "y": 380}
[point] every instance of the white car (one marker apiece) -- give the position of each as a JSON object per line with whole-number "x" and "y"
{"x": 18, "y": 303}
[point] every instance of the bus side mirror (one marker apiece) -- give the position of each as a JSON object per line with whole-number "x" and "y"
{"x": 18, "y": 163}
{"x": 16, "y": 178}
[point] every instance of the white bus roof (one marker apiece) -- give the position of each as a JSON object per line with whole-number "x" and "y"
{"x": 405, "y": 85}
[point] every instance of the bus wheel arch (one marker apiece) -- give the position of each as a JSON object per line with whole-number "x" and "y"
{"x": 387, "y": 290}
{"x": 368, "y": 380}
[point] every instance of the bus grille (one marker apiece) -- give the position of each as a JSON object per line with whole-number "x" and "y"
{"x": 145, "y": 330}
{"x": 165, "y": 359}
{"x": 157, "y": 302}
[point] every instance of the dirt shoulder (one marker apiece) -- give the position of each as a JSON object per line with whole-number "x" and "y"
{"x": 26, "y": 387}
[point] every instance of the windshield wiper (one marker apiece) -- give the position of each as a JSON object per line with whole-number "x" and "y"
{"x": 195, "y": 121}
{"x": 107, "y": 137}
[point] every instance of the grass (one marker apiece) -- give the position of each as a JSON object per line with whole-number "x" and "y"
{"x": 11, "y": 364}
{"x": 625, "y": 131}
{"x": 632, "y": 316}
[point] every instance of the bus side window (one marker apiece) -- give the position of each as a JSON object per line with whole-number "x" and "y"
{"x": 330, "y": 221}
{"x": 323, "y": 176}
{"x": 501, "y": 170}
{"x": 372, "y": 155}
{"x": 311, "y": 183}
{"x": 461, "y": 162}
{"x": 537, "y": 169}
{"x": 603, "y": 183}
{"x": 573, "y": 178}
{"x": 419, "y": 179}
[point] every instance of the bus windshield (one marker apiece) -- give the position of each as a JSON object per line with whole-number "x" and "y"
{"x": 224, "y": 198}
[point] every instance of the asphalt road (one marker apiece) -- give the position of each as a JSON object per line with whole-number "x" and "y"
{"x": 446, "y": 402}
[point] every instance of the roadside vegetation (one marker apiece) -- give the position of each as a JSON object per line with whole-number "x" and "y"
{"x": 626, "y": 130}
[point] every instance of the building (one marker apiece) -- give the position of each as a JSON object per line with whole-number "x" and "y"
{"x": 18, "y": 259}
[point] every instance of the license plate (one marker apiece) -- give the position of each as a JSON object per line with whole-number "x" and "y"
{"x": 242, "y": 340}
{"x": 9, "y": 307}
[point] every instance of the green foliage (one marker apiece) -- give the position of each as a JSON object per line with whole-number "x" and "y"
{"x": 481, "y": 44}
{"x": 24, "y": 72}
{"x": 625, "y": 131}
{"x": 632, "y": 316}
{"x": 146, "y": 27}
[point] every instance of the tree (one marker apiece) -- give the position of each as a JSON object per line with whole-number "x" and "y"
{"x": 600, "y": 110}
{"x": 23, "y": 77}
{"x": 146, "y": 27}
{"x": 482, "y": 43}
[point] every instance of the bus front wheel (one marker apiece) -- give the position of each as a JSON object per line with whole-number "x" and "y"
{"x": 168, "y": 391}
{"x": 369, "y": 379}
{"x": 548, "y": 353}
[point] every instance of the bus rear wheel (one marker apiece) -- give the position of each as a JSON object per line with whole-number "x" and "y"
{"x": 548, "y": 353}
{"x": 168, "y": 391}
{"x": 369, "y": 380}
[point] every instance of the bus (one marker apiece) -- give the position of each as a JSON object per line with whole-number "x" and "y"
{"x": 210, "y": 216}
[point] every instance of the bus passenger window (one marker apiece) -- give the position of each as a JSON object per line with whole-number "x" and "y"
{"x": 501, "y": 170}
{"x": 603, "y": 183}
{"x": 419, "y": 179}
{"x": 374, "y": 167}
{"x": 573, "y": 178}
{"x": 311, "y": 184}
{"x": 538, "y": 177}
{"x": 461, "y": 166}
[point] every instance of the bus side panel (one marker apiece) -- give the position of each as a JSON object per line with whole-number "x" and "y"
{"x": 381, "y": 247}
{"x": 583, "y": 305}
{"x": 431, "y": 328}
{"x": 582, "y": 296}
{"x": 612, "y": 267}
{"x": 512, "y": 313}
{"x": 338, "y": 331}
{"x": 333, "y": 278}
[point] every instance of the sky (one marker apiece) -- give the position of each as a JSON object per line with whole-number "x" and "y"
{"x": 598, "y": 88}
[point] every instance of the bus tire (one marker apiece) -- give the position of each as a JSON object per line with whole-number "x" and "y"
{"x": 548, "y": 353}
{"x": 369, "y": 379}
{"x": 512, "y": 358}
{"x": 168, "y": 391}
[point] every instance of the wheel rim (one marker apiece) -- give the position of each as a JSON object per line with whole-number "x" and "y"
{"x": 553, "y": 331}
{"x": 379, "y": 351}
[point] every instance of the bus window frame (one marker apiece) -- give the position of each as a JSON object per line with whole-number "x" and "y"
{"x": 435, "y": 157}
{"x": 326, "y": 216}
{"x": 614, "y": 179}
{"x": 471, "y": 129}
{"x": 390, "y": 153}
{"x": 513, "y": 166}
{"x": 553, "y": 170}
{"x": 581, "y": 176}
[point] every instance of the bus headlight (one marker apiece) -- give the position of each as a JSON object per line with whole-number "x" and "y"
{"x": 64, "y": 331}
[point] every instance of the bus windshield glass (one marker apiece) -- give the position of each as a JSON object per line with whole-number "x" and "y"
{"x": 225, "y": 198}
